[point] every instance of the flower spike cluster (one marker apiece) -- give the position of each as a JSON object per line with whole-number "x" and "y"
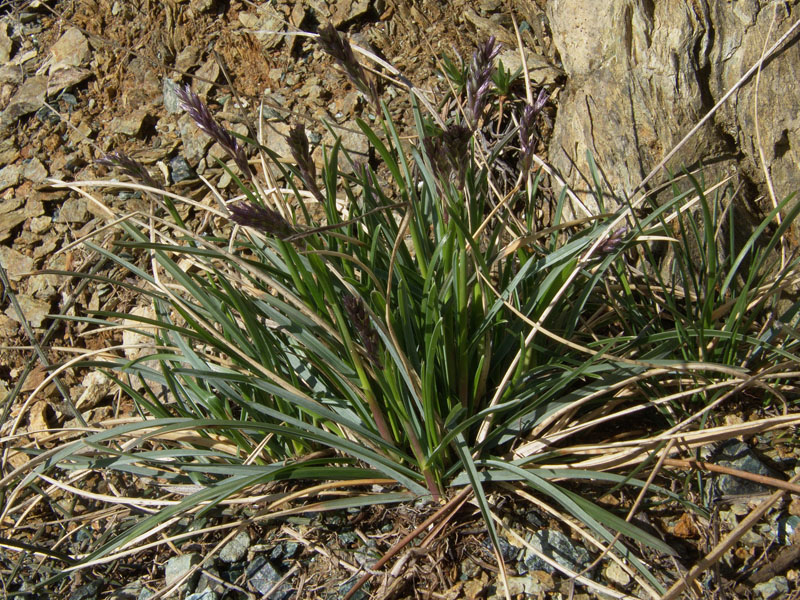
{"x": 449, "y": 153}
{"x": 354, "y": 307}
{"x": 298, "y": 144}
{"x": 198, "y": 111}
{"x": 261, "y": 218}
{"x": 479, "y": 81}
{"x": 131, "y": 167}
{"x": 340, "y": 50}
{"x": 528, "y": 132}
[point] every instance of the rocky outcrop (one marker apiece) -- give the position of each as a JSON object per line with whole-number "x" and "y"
{"x": 641, "y": 74}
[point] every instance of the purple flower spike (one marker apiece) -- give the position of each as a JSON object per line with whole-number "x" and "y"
{"x": 198, "y": 111}
{"x": 613, "y": 242}
{"x": 131, "y": 167}
{"x": 340, "y": 50}
{"x": 449, "y": 153}
{"x": 479, "y": 81}
{"x": 261, "y": 218}
{"x": 298, "y": 144}
{"x": 354, "y": 307}
{"x": 528, "y": 131}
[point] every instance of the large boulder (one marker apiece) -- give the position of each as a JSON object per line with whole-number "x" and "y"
{"x": 641, "y": 74}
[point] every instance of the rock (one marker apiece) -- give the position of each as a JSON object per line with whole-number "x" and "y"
{"x": 345, "y": 11}
{"x": 560, "y": 548}
{"x": 33, "y": 170}
{"x": 204, "y": 595}
{"x": 35, "y": 311}
{"x": 541, "y": 71}
{"x": 138, "y": 344}
{"x": 202, "y": 6}
{"x": 210, "y": 579}
{"x": 206, "y": 76}
{"x": 508, "y": 551}
{"x": 195, "y": 141}
{"x": 71, "y": 50}
{"x": 172, "y": 103}
{"x": 89, "y": 591}
{"x": 65, "y": 78}
{"x": 10, "y": 176}
{"x": 475, "y": 587}
{"x": 640, "y": 76}
{"x": 737, "y": 455}
{"x": 616, "y": 574}
{"x": 129, "y": 591}
{"x": 179, "y": 169}
{"x": 40, "y": 224}
{"x": 262, "y": 577}
{"x": 145, "y": 594}
{"x": 187, "y": 58}
{"x": 777, "y": 587}
{"x": 177, "y": 567}
{"x": 6, "y": 45}
{"x": 130, "y": 124}
{"x": 275, "y": 139}
{"x": 72, "y": 211}
{"x": 262, "y": 23}
{"x": 15, "y": 263}
{"x": 236, "y": 549}
{"x": 524, "y": 587}
{"x": 96, "y": 386}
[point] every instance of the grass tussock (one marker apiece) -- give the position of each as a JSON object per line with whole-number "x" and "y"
{"x": 433, "y": 342}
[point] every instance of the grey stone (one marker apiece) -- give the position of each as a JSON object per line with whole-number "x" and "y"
{"x": 179, "y": 170}
{"x": 520, "y": 587}
{"x": 33, "y": 310}
{"x": 129, "y": 124}
{"x": 172, "y": 103}
{"x": 145, "y": 594}
{"x": 8, "y": 221}
{"x": 202, "y": 6}
{"x": 265, "y": 20}
{"x": 34, "y": 170}
{"x": 560, "y": 548}
{"x": 777, "y": 587}
{"x": 541, "y": 70}
{"x": 6, "y": 44}
{"x": 204, "y": 595}
{"x": 66, "y": 78}
{"x": 207, "y": 76}
{"x": 737, "y": 455}
{"x": 71, "y": 50}
{"x": 72, "y": 211}
{"x": 262, "y": 577}
{"x": 177, "y": 567}
{"x": 15, "y": 263}
{"x": 11, "y": 74}
{"x": 195, "y": 141}
{"x": 130, "y": 591}
{"x": 236, "y": 549}
{"x": 508, "y": 551}
{"x": 616, "y": 574}
{"x": 89, "y": 591}
{"x": 187, "y": 58}
{"x": 275, "y": 139}
{"x": 348, "y": 10}
{"x": 10, "y": 176}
